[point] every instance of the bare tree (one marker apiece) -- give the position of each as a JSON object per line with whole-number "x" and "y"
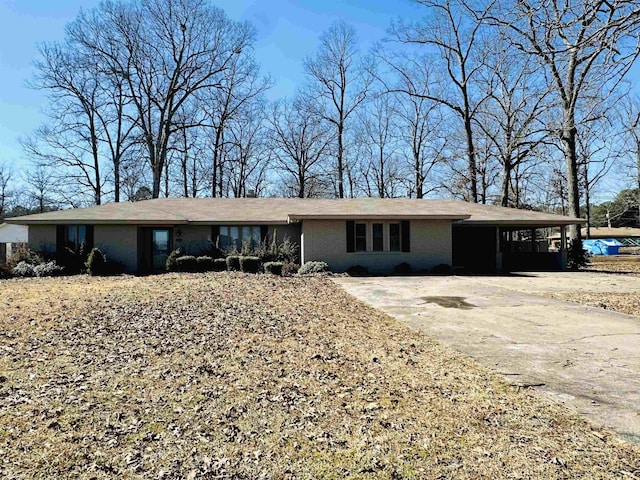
{"x": 420, "y": 122}
{"x": 630, "y": 119}
{"x": 166, "y": 51}
{"x": 597, "y": 153}
{"x": 378, "y": 137}
{"x": 6, "y": 192}
{"x": 512, "y": 117}
{"x": 40, "y": 188}
{"x": 586, "y": 48}
{"x": 300, "y": 142}
{"x": 248, "y": 157}
{"x": 455, "y": 33}
{"x": 240, "y": 84}
{"x": 70, "y": 143}
{"x": 340, "y": 84}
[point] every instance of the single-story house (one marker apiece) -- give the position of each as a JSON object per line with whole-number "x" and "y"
{"x": 374, "y": 233}
{"x": 11, "y": 237}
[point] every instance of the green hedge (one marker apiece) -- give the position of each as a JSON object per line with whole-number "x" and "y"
{"x": 250, "y": 264}
{"x": 275, "y": 268}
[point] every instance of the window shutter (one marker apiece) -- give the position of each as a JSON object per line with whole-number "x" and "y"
{"x": 405, "y": 236}
{"x": 89, "y": 246}
{"x": 351, "y": 236}
{"x": 60, "y": 241}
{"x": 264, "y": 230}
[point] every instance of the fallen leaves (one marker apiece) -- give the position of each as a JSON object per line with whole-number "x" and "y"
{"x": 241, "y": 376}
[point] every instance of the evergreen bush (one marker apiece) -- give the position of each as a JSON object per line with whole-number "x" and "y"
{"x": 402, "y": 269}
{"x": 275, "y": 268}
{"x": 171, "y": 264}
{"x": 48, "y": 269}
{"x": 219, "y": 264}
{"x": 249, "y": 264}
{"x": 233, "y": 263}
{"x": 187, "y": 263}
{"x": 96, "y": 263}
{"x": 313, "y": 267}
{"x": 205, "y": 263}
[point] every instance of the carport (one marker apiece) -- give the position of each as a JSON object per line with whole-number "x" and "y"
{"x": 490, "y": 246}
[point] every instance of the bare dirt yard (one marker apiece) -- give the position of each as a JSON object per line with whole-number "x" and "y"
{"x": 249, "y": 377}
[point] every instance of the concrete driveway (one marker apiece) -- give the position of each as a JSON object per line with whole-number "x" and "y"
{"x": 587, "y": 358}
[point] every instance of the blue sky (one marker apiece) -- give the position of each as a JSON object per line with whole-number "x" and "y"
{"x": 287, "y": 31}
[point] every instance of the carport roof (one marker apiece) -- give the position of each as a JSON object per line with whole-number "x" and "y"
{"x": 176, "y": 211}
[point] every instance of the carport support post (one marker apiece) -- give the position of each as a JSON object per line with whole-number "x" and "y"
{"x": 498, "y": 251}
{"x": 533, "y": 240}
{"x": 563, "y": 247}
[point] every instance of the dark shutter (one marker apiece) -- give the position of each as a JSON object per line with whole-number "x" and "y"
{"x": 60, "y": 242}
{"x": 89, "y": 245}
{"x": 405, "y": 235}
{"x": 351, "y": 236}
{"x": 264, "y": 230}
{"x": 215, "y": 233}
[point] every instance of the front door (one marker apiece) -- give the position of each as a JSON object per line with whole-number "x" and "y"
{"x": 160, "y": 247}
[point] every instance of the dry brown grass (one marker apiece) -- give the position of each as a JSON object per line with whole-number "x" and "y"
{"x": 626, "y": 302}
{"x": 236, "y": 376}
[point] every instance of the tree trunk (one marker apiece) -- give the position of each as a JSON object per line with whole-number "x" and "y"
{"x": 569, "y": 134}
{"x": 340, "y": 161}
{"x": 506, "y": 181}
{"x": 418, "y": 175}
{"x": 471, "y": 158}
{"x": 638, "y": 171}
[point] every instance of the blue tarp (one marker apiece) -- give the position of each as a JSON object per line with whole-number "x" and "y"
{"x": 604, "y": 246}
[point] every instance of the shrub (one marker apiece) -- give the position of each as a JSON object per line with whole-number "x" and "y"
{"x": 402, "y": 269}
{"x": 96, "y": 263}
{"x": 272, "y": 251}
{"x": 250, "y": 264}
{"x": 73, "y": 260}
{"x": 287, "y": 251}
{"x": 48, "y": 269}
{"x": 187, "y": 263}
{"x": 113, "y": 268}
{"x": 357, "y": 271}
{"x": 442, "y": 269}
{"x": 577, "y": 256}
{"x": 205, "y": 264}
{"x": 171, "y": 265}
{"x": 23, "y": 269}
{"x": 313, "y": 267}
{"x": 219, "y": 264}
{"x": 289, "y": 268}
{"x": 24, "y": 255}
{"x": 233, "y": 263}
{"x": 275, "y": 268}
{"x": 215, "y": 250}
{"x": 5, "y": 271}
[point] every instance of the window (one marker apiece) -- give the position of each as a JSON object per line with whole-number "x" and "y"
{"x": 234, "y": 236}
{"x": 378, "y": 236}
{"x": 394, "y": 237}
{"x": 76, "y": 237}
{"x": 361, "y": 237}
{"x": 377, "y": 230}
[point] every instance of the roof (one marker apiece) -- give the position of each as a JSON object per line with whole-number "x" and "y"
{"x": 615, "y": 232}
{"x": 13, "y": 233}
{"x": 178, "y": 211}
{"x": 605, "y": 232}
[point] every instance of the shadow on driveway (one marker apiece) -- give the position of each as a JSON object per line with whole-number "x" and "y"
{"x": 585, "y": 357}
